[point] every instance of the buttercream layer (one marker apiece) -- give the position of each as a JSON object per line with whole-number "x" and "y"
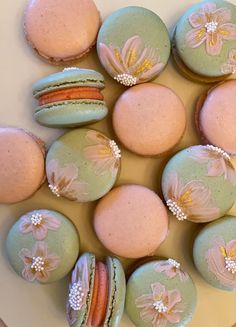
{"x": 71, "y": 94}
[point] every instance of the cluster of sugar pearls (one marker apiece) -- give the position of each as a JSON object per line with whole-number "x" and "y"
{"x": 224, "y": 154}
{"x": 160, "y": 306}
{"x": 126, "y": 79}
{"x": 38, "y": 264}
{"x": 76, "y": 296}
{"x": 115, "y": 149}
{"x": 36, "y": 219}
{"x": 230, "y": 265}
{"x": 176, "y": 210}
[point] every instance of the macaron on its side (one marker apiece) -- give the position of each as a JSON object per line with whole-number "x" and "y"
{"x": 216, "y": 116}
{"x": 42, "y": 246}
{"x": 22, "y": 165}
{"x": 214, "y": 253}
{"x": 198, "y": 184}
{"x": 160, "y": 291}
{"x": 205, "y": 41}
{"x": 143, "y": 110}
{"x": 70, "y": 98}
{"x": 131, "y": 214}
{"x": 133, "y": 45}
{"x": 96, "y": 293}
{"x": 52, "y": 30}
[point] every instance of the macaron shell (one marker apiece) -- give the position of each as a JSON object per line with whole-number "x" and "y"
{"x": 131, "y": 214}
{"x": 142, "y": 111}
{"x": 196, "y": 58}
{"x": 211, "y": 246}
{"x": 71, "y": 113}
{"x": 192, "y": 172}
{"x": 117, "y": 291}
{"x": 143, "y": 281}
{"x": 69, "y": 77}
{"x": 82, "y": 165}
{"x": 217, "y": 117}
{"x": 21, "y": 174}
{"x": 61, "y": 242}
{"x": 53, "y": 29}
{"x": 134, "y": 28}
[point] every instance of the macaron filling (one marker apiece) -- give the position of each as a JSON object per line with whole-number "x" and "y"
{"x": 73, "y": 93}
{"x": 99, "y": 301}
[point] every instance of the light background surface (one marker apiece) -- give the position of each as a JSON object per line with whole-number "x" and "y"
{"x": 25, "y": 305}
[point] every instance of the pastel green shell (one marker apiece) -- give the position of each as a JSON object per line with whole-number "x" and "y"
{"x": 197, "y": 59}
{"x": 139, "y": 284}
{"x": 62, "y": 242}
{"x": 225, "y": 229}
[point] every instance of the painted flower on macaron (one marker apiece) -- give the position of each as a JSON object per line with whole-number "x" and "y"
{"x": 132, "y": 64}
{"x": 38, "y": 223}
{"x": 221, "y": 259}
{"x": 230, "y": 66}
{"x": 172, "y": 269}
{"x": 212, "y": 26}
{"x": 38, "y": 263}
{"x": 161, "y": 306}
{"x": 103, "y": 152}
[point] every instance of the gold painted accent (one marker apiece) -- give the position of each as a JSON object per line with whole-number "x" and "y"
{"x": 186, "y": 197}
{"x": 223, "y": 251}
{"x": 223, "y": 32}
{"x": 231, "y": 253}
{"x": 132, "y": 57}
{"x": 146, "y": 65}
{"x": 234, "y": 56}
{"x": 201, "y": 33}
{"x": 117, "y": 53}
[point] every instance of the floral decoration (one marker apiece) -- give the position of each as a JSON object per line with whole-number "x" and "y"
{"x": 230, "y": 66}
{"x": 172, "y": 269}
{"x": 212, "y": 26}
{"x": 132, "y": 64}
{"x": 161, "y": 306}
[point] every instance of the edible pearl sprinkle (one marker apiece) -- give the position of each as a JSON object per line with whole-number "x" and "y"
{"x": 176, "y": 210}
{"x": 76, "y": 296}
{"x": 115, "y": 150}
{"x": 211, "y": 27}
{"x": 159, "y": 306}
{"x": 37, "y": 264}
{"x": 126, "y": 79}
{"x": 230, "y": 265}
{"x": 54, "y": 190}
{"x": 219, "y": 151}
{"x": 70, "y": 68}
{"x": 36, "y": 219}
{"x": 174, "y": 263}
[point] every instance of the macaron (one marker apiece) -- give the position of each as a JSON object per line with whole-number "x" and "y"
{"x": 214, "y": 253}
{"x": 82, "y": 165}
{"x": 70, "y": 98}
{"x": 204, "y": 43}
{"x": 198, "y": 184}
{"x": 96, "y": 293}
{"x": 61, "y": 31}
{"x": 133, "y": 45}
{"x": 160, "y": 293}
{"x": 143, "y": 110}
{"x": 216, "y": 116}
{"x": 42, "y": 246}
{"x": 22, "y": 169}
{"x": 131, "y": 221}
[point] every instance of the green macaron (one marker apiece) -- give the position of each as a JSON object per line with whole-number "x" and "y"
{"x": 42, "y": 246}
{"x": 133, "y": 45}
{"x": 70, "y": 98}
{"x": 160, "y": 293}
{"x": 214, "y": 253}
{"x": 96, "y": 293}
{"x": 204, "y": 44}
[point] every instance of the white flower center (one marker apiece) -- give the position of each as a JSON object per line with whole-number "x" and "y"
{"x": 54, "y": 189}
{"x": 126, "y": 79}
{"x": 37, "y": 264}
{"x": 36, "y": 219}
{"x": 159, "y": 306}
{"x": 176, "y": 210}
{"x": 219, "y": 151}
{"x": 76, "y": 296}
{"x": 230, "y": 265}
{"x": 174, "y": 263}
{"x": 211, "y": 27}
{"x": 115, "y": 149}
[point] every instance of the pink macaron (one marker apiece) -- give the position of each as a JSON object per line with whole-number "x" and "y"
{"x": 216, "y": 116}
{"x": 21, "y": 164}
{"x": 149, "y": 119}
{"x": 131, "y": 221}
{"x": 60, "y": 30}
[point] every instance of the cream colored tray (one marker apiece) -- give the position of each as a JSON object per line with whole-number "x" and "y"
{"x": 25, "y": 305}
